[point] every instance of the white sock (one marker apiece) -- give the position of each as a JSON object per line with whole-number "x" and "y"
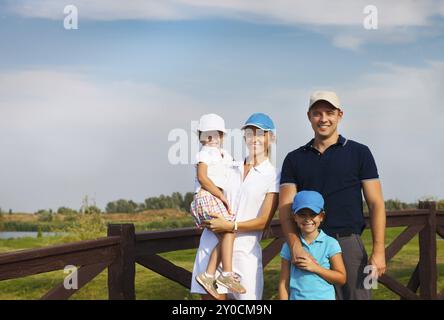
{"x": 226, "y": 274}
{"x": 209, "y": 275}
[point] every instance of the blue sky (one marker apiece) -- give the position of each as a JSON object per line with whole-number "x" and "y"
{"x": 88, "y": 111}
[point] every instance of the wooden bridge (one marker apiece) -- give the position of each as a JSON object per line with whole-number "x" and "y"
{"x": 123, "y": 248}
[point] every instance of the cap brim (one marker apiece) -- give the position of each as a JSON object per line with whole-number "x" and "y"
{"x": 316, "y": 210}
{"x": 256, "y": 126}
{"x": 314, "y": 102}
{"x": 221, "y": 130}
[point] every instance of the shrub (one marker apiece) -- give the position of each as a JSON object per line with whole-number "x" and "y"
{"x": 88, "y": 226}
{"x": 66, "y": 211}
{"x": 39, "y": 232}
{"x": 123, "y": 206}
{"x": 45, "y": 216}
{"x": 93, "y": 210}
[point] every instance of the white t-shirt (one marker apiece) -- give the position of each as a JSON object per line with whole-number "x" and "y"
{"x": 219, "y": 163}
{"x": 245, "y": 198}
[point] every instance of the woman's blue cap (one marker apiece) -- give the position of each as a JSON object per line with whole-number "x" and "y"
{"x": 308, "y": 199}
{"x": 261, "y": 121}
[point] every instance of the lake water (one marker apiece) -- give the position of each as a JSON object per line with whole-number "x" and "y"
{"x": 23, "y": 234}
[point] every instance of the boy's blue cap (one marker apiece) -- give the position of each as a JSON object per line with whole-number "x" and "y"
{"x": 308, "y": 199}
{"x": 261, "y": 121}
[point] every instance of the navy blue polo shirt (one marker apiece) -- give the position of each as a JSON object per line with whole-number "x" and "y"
{"x": 337, "y": 174}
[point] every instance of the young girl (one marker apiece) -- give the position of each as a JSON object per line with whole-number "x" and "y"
{"x": 212, "y": 173}
{"x": 310, "y": 280}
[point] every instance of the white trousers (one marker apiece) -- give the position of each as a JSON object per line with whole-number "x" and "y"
{"x": 247, "y": 262}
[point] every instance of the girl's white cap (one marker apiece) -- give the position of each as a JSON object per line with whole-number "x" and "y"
{"x": 211, "y": 122}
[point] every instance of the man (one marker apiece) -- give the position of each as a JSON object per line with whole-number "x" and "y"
{"x": 339, "y": 169}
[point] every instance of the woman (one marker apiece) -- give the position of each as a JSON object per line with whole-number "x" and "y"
{"x": 252, "y": 193}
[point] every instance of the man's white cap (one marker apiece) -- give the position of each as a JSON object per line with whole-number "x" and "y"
{"x": 211, "y": 122}
{"x": 329, "y": 96}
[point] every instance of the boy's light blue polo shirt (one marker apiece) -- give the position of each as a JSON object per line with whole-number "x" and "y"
{"x": 305, "y": 285}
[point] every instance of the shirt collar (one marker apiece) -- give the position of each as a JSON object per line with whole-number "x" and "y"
{"x": 341, "y": 141}
{"x": 320, "y": 238}
{"x": 262, "y": 167}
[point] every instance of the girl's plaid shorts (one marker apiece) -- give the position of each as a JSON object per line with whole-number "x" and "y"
{"x": 204, "y": 203}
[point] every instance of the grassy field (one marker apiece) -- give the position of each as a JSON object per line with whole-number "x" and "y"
{"x": 152, "y": 286}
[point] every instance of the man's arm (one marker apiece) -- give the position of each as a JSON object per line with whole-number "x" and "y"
{"x": 373, "y": 196}
{"x": 286, "y": 196}
{"x": 287, "y": 192}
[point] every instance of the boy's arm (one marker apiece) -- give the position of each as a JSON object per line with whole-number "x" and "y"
{"x": 284, "y": 280}
{"x": 286, "y": 196}
{"x": 373, "y": 196}
{"x": 207, "y": 184}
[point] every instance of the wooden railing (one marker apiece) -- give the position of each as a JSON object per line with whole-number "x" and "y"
{"x": 123, "y": 248}
{"x": 92, "y": 257}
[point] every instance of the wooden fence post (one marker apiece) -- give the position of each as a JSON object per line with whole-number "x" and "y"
{"x": 427, "y": 254}
{"x": 121, "y": 273}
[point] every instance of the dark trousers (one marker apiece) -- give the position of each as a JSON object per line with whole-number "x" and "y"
{"x": 355, "y": 259}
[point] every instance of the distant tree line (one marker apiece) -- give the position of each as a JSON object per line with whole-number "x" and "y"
{"x": 395, "y": 204}
{"x": 175, "y": 201}
{"x": 182, "y": 202}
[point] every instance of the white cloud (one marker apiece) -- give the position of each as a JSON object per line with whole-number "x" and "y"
{"x": 315, "y": 12}
{"x": 347, "y": 42}
{"x": 341, "y": 21}
{"x": 48, "y": 98}
{"x": 65, "y": 134}
{"x": 399, "y": 112}
{"x": 396, "y": 110}
{"x": 328, "y": 13}
{"x": 100, "y": 9}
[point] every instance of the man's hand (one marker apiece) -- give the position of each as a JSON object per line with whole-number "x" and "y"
{"x": 377, "y": 259}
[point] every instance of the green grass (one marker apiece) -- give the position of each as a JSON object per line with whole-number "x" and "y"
{"x": 150, "y": 285}
{"x": 7, "y": 245}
